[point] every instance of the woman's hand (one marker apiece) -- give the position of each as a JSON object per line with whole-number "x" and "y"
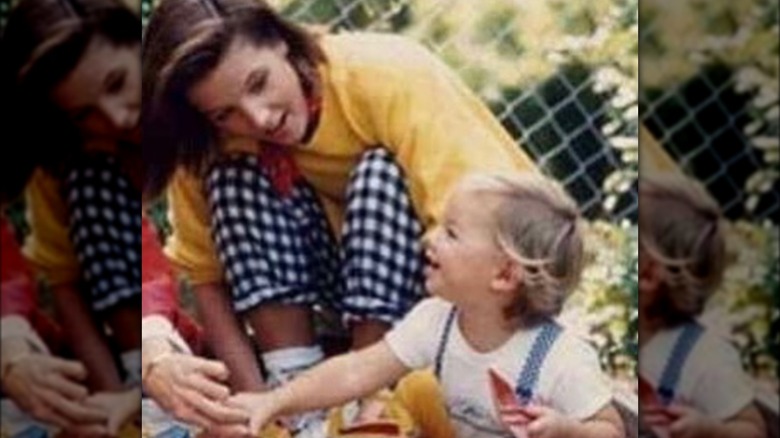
{"x": 192, "y": 389}
{"x": 48, "y": 388}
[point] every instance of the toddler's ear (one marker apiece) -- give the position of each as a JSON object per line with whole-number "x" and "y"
{"x": 508, "y": 276}
{"x": 650, "y": 272}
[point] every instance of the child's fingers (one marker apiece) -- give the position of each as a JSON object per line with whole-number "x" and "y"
{"x": 115, "y": 423}
{"x": 214, "y": 411}
{"x": 677, "y": 411}
{"x": 370, "y": 410}
{"x": 518, "y": 431}
{"x": 257, "y": 423}
{"x": 514, "y": 416}
{"x": 536, "y": 411}
{"x": 656, "y": 419}
{"x": 535, "y": 427}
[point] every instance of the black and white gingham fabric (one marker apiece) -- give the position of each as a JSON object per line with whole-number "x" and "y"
{"x": 381, "y": 242}
{"x": 280, "y": 248}
{"x": 273, "y": 248}
{"x": 105, "y": 228}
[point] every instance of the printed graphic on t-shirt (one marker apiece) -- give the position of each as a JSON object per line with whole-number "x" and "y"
{"x": 474, "y": 420}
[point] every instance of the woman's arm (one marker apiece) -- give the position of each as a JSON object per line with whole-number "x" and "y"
{"x": 48, "y": 388}
{"x": 226, "y": 337}
{"x": 86, "y": 339}
{"x": 191, "y": 388}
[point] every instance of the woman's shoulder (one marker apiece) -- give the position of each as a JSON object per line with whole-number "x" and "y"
{"x": 377, "y": 52}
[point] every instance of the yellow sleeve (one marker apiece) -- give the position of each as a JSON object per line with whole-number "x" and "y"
{"x": 190, "y": 247}
{"x": 48, "y": 246}
{"x": 652, "y": 157}
{"x": 439, "y": 131}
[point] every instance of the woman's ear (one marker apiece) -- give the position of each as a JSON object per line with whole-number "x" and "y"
{"x": 507, "y": 276}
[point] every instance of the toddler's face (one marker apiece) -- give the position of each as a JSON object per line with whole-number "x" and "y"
{"x": 462, "y": 252}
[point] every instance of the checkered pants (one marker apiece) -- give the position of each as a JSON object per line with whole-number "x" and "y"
{"x": 280, "y": 248}
{"x": 105, "y": 228}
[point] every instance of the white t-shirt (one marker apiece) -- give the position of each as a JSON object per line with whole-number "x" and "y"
{"x": 712, "y": 379}
{"x": 570, "y": 381}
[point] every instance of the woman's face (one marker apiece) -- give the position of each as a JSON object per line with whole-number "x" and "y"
{"x": 254, "y": 92}
{"x": 102, "y": 94}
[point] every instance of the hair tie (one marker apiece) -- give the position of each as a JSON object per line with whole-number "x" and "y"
{"x": 212, "y": 7}
{"x": 565, "y": 231}
{"x": 709, "y": 229}
{"x": 70, "y": 8}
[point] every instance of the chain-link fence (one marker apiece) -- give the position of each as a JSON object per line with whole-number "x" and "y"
{"x": 708, "y": 93}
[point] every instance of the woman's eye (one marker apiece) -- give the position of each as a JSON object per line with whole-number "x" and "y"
{"x": 222, "y": 116}
{"x": 115, "y": 82}
{"x": 257, "y": 83}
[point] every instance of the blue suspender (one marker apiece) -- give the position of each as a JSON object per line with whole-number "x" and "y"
{"x": 674, "y": 364}
{"x": 445, "y": 337}
{"x": 529, "y": 375}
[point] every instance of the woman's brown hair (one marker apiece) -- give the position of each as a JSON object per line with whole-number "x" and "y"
{"x": 41, "y": 43}
{"x": 185, "y": 40}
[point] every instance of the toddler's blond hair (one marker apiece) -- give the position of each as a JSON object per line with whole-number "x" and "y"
{"x": 682, "y": 229}
{"x": 539, "y": 226}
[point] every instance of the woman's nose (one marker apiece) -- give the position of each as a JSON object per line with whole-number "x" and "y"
{"x": 122, "y": 116}
{"x": 259, "y": 116}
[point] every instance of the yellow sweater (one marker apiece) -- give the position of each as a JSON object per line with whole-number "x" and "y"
{"x": 378, "y": 90}
{"x": 49, "y": 247}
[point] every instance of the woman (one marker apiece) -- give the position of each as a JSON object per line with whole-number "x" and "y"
{"x": 70, "y": 82}
{"x": 315, "y": 162}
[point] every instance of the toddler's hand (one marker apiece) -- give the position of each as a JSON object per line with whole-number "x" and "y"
{"x": 120, "y": 407}
{"x": 545, "y": 422}
{"x": 260, "y": 407}
{"x": 687, "y": 422}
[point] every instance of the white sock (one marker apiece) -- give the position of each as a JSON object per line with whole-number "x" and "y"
{"x": 131, "y": 361}
{"x": 284, "y": 364}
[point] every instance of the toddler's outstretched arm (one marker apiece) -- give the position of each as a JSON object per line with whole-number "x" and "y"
{"x": 334, "y": 382}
